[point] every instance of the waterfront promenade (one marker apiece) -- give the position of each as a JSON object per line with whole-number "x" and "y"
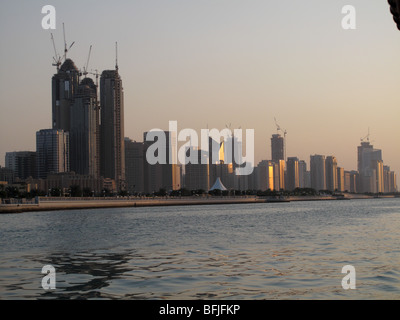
{"x": 60, "y": 203}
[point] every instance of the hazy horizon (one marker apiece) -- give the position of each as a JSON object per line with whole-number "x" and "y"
{"x": 214, "y": 63}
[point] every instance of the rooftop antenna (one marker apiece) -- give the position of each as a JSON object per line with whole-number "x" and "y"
{"x": 116, "y": 56}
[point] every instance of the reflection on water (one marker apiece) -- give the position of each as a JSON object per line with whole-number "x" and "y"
{"x": 290, "y": 251}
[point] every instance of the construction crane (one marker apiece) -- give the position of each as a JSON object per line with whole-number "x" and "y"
{"x": 278, "y": 128}
{"x": 57, "y": 57}
{"x": 95, "y": 74}
{"x": 85, "y": 68}
{"x": 366, "y": 137}
{"x": 65, "y": 45}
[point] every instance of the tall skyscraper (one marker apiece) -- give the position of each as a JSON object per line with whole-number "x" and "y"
{"x": 85, "y": 130}
{"x": 52, "y": 152}
{"x": 293, "y": 178}
{"x": 331, "y": 173}
{"x": 23, "y": 164}
{"x": 347, "y": 181}
{"x": 112, "y": 150}
{"x": 277, "y": 148}
{"x": 281, "y": 174}
{"x": 303, "y": 174}
{"x": 389, "y": 180}
{"x": 134, "y": 166}
{"x": 341, "y": 179}
{"x": 370, "y": 168}
{"x": 317, "y": 172}
{"x": 64, "y": 86}
{"x": 162, "y": 176}
{"x": 265, "y": 170}
{"x": 354, "y": 181}
{"x": 197, "y": 175}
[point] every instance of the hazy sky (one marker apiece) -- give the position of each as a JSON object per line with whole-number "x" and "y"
{"x": 215, "y": 62}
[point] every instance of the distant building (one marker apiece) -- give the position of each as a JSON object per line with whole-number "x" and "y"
{"x": 340, "y": 179}
{"x": 162, "y": 176}
{"x": 134, "y": 166}
{"x": 293, "y": 176}
{"x": 347, "y": 181}
{"x": 354, "y": 178}
{"x": 389, "y": 180}
{"x": 85, "y": 130}
{"x": 265, "y": 171}
{"x": 331, "y": 173}
{"x": 277, "y": 148}
{"x": 64, "y": 86}
{"x": 23, "y": 164}
{"x": 6, "y": 175}
{"x": 370, "y": 168}
{"x": 197, "y": 175}
{"x": 112, "y": 164}
{"x": 52, "y": 152}
{"x": 303, "y": 174}
{"x": 317, "y": 172}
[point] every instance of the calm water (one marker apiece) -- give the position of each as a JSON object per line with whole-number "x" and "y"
{"x": 265, "y": 251}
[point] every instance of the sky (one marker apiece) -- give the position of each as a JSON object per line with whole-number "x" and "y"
{"x": 212, "y": 63}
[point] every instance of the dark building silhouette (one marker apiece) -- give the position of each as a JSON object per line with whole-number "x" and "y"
{"x": 52, "y": 152}
{"x": 134, "y": 166}
{"x": 64, "y": 86}
{"x": 23, "y": 163}
{"x": 85, "y": 130}
{"x": 277, "y": 148}
{"x": 164, "y": 175}
{"x": 112, "y": 150}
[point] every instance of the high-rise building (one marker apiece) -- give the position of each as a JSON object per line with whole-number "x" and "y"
{"x": 277, "y": 148}
{"x": 354, "y": 178}
{"x": 6, "y": 175}
{"x": 265, "y": 171}
{"x": 393, "y": 184}
{"x": 331, "y": 173}
{"x": 389, "y": 180}
{"x": 340, "y": 179}
{"x": 293, "y": 178}
{"x": 134, "y": 166}
{"x": 23, "y": 164}
{"x": 85, "y": 130}
{"x": 64, "y": 86}
{"x": 164, "y": 175}
{"x": 281, "y": 174}
{"x": 197, "y": 175}
{"x": 347, "y": 181}
{"x": 317, "y": 172}
{"x": 370, "y": 168}
{"x": 302, "y": 174}
{"x": 52, "y": 152}
{"x": 112, "y": 157}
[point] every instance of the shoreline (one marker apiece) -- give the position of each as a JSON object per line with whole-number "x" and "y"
{"x": 55, "y": 204}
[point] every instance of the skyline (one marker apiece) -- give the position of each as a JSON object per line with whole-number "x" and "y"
{"x": 345, "y": 79}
